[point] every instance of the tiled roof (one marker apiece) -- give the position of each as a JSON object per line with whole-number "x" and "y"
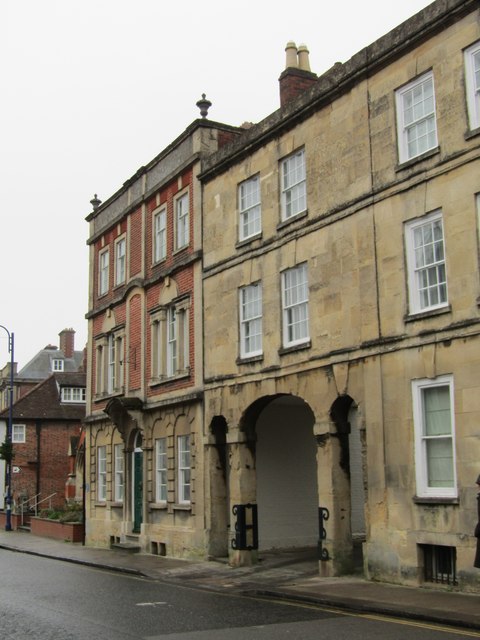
{"x": 40, "y": 366}
{"x": 43, "y": 401}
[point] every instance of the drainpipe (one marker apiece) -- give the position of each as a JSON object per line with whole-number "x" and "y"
{"x": 38, "y": 429}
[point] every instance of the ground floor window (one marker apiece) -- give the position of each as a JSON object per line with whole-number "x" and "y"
{"x": 183, "y": 443}
{"x": 439, "y": 564}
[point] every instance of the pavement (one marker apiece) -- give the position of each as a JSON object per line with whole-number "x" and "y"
{"x": 289, "y": 576}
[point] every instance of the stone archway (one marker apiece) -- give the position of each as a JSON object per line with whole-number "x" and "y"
{"x": 273, "y": 465}
{"x": 286, "y": 478}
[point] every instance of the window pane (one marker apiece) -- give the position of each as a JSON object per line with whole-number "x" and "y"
{"x": 437, "y": 411}
{"x": 440, "y": 462}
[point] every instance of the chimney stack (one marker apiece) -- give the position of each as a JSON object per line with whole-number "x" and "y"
{"x": 297, "y": 76}
{"x": 67, "y": 342}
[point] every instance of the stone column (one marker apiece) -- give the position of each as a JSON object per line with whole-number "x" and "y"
{"x": 334, "y": 496}
{"x": 242, "y": 485}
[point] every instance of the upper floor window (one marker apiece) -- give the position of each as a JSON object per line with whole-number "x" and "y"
{"x": 249, "y": 208}
{"x": 103, "y": 271}
{"x": 57, "y": 364}
{"x": 295, "y": 305}
{"x": 251, "y": 320}
{"x": 182, "y": 221}
{"x": 102, "y": 474}
{"x": 114, "y": 363}
{"x": 120, "y": 258}
{"x": 183, "y": 450}
{"x": 294, "y": 190}
{"x": 427, "y": 275}
{"x": 109, "y": 359}
{"x": 472, "y": 77}
{"x": 161, "y": 469}
{"x": 170, "y": 340}
{"x": 433, "y": 417}
{"x": 73, "y": 394}
{"x": 417, "y": 127}
{"x": 119, "y": 473}
{"x": 18, "y": 433}
{"x": 160, "y": 235}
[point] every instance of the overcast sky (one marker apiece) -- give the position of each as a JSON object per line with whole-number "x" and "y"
{"x": 94, "y": 89}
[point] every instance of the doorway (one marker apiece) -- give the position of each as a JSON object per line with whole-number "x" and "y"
{"x": 137, "y": 492}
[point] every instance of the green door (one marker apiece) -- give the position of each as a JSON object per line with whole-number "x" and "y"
{"x": 137, "y": 490}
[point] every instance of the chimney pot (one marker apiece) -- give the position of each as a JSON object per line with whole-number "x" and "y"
{"x": 303, "y": 59}
{"x": 291, "y": 57}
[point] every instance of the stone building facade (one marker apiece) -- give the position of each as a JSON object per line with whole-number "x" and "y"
{"x": 144, "y": 426}
{"x": 341, "y": 308}
{"x": 284, "y": 322}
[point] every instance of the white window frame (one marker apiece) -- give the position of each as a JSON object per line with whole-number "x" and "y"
{"x": 249, "y": 207}
{"x": 426, "y": 263}
{"x": 18, "y": 433}
{"x": 111, "y": 363}
{"x": 170, "y": 341}
{"x": 251, "y": 320}
{"x": 119, "y": 474}
{"x": 182, "y": 221}
{"x": 295, "y": 299}
{"x": 184, "y": 469}
{"x": 160, "y": 235}
{"x": 113, "y": 353}
{"x": 293, "y": 185}
{"x": 422, "y": 440}
{"x": 103, "y": 271}
{"x": 161, "y": 468}
{"x": 74, "y": 395}
{"x": 472, "y": 84}
{"x": 102, "y": 473}
{"x": 416, "y": 118}
{"x": 57, "y": 364}
{"x": 120, "y": 260}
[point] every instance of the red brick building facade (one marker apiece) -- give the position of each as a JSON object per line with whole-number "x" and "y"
{"x": 47, "y": 422}
{"x": 145, "y": 407}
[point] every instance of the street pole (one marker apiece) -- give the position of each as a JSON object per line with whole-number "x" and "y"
{"x": 8, "y": 439}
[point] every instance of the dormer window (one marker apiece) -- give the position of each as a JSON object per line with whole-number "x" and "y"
{"x": 73, "y": 394}
{"x": 57, "y": 364}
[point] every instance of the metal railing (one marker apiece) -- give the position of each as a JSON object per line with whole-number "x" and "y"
{"x": 23, "y": 506}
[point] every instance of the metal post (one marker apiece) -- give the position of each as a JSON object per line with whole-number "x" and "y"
{"x": 8, "y": 440}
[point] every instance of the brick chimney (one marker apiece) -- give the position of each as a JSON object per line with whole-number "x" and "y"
{"x": 67, "y": 342}
{"x": 297, "y": 76}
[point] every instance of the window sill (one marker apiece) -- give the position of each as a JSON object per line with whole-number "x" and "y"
{"x": 249, "y": 359}
{"x": 431, "y": 313}
{"x": 432, "y": 500}
{"x": 180, "y": 249}
{"x": 100, "y": 504}
{"x": 298, "y": 216}
{"x": 116, "y": 505}
{"x": 406, "y": 164}
{"x": 182, "y": 507}
{"x": 296, "y": 347}
{"x": 158, "y": 506}
{"x": 156, "y": 382}
{"x": 246, "y": 241}
{"x": 472, "y": 133}
{"x": 99, "y": 397}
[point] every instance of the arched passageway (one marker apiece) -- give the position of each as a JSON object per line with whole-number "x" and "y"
{"x": 286, "y": 475}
